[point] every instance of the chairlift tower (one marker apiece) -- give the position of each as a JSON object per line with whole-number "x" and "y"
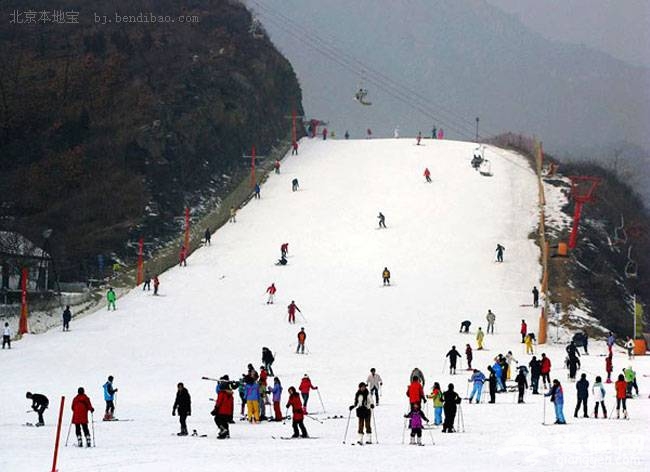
{"x": 582, "y": 191}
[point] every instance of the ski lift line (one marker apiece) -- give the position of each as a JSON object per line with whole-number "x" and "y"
{"x": 350, "y": 62}
{"x": 386, "y": 88}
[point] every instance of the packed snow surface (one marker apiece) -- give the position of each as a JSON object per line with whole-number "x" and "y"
{"x": 212, "y": 318}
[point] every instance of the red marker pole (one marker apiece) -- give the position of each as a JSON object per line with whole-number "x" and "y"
{"x": 58, "y": 436}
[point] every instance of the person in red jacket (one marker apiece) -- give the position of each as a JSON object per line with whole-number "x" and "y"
{"x": 182, "y": 256}
{"x": 305, "y": 387}
{"x": 223, "y": 408}
{"x": 156, "y": 284}
{"x": 271, "y": 291}
{"x": 545, "y": 370}
{"x": 80, "y": 407}
{"x": 297, "y": 413}
{"x": 284, "y": 249}
{"x": 523, "y": 331}
{"x": 292, "y": 312}
{"x": 427, "y": 174}
{"x": 415, "y": 392}
{"x": 621, "y": 395}
{"x": 609, "y": 367}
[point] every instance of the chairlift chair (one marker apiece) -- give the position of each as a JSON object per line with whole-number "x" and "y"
{"x": 360, "y": 96}
{"x": 631, "y": 268}
{"x": 620, "y": 235}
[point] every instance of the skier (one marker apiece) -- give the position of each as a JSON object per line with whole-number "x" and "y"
{"x": 304, "y": 388}
{"x": 364, "y": 405}
{"x": 276, "y": 164}
{"x": 535, "y": 296}
{"x": 291, "y": 308}
{"x": 510, "y": 360}
{"x": 182, "y": 405}
{"x": 111, "y": 297}
{"x": 427, "y": 174}
{"x": 80, "y": 407}
{"x": 582, "y": 387}
{"x": 233, "y": 215}
{"x": 67, "y": 316}
{"x": 492, "y": 383}
{"x": 464, "y": 326}
{"x": 415, "y": 392}
{"x": 257, "y": 191}
{"x": 418, "y": 138}
{"x": 284, "y": 249}
{"x": 629, "y": 346}
{"x": 450, "y": 401}
{"x": 621, "y": 394}
{"x": 469, "y": 356}
{"x": 208, "y": 236}
{"x": 147, "y": 281}
{"x": 479, "y": 338}
{"x": 382, "y": 220}
{"x": 417, "y": 373}
{"x": 609, "y": 367}
{"x": 252, "y": 397}
{"x": 498, "y": 372}
{"x": 324, "y": 134}
{"x": 386, "y": 276}
{"x": 535, "y": 371}
{"x": 545, "y": 370}
{"x": 523, "y": 331}
{"x": 294, "y": 185}
{"x": 499, "y": 250}
{"x": 598, "y": 392}
{"x": 39, "y": 405}
{"x": 528, "y": 341}
{"x": 374, "y": 383}
{"x": 415, "y": 424}
{"x": 441, "y": 134}
{"x": 277, "y": 398}
{"x": 453, "y": 355}
{"x": 223, "y": 408}
{"x": 396, "y": 133}
{"x": 347, "y": 134}
{"x": 557, "y": 398}
{"x": 6, "y": 336}
{"x": 109, "y": 397}
{"x": 294, "y": 148}
{"x": 630, "y": 380}
{"x": 368, "y": 133}
{"x": 271, "y": 291}
{"x": 434, "y": 133}
{"x": 302, "y": 336}
{"x": 156, "y": 284}
{"x": 297, "y": 414}
{"x": 573, "y": 353}
{"x": 491, "y": 318}
{"x": 610, "y": 341}
{"x": 267, "y": 360}
{"x": 477, "y": 378}
{"x": 436, "y": 396}
{"x": 522, "y": 384}
{"x": 282, "y": 261}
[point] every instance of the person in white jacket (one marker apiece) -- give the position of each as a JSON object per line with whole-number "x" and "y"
{"x": 374, "y": 383}
{"x": 6, "y": 336}
{"x": 598, "y": 393}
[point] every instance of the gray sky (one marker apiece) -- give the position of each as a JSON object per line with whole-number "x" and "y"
{"x": 620, "y": 28}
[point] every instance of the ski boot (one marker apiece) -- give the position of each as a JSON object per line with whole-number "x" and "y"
{"x": 419, "y": 441}
{"x": 625, "y": 414}
{"x": 618, "y": 414}
{"x": 360, "y": 441}
{"x": 79, "y": 442}
{"x": 107, "y": 417}
{"x": 88, "y": 444}
{"x": 412, "y": 441}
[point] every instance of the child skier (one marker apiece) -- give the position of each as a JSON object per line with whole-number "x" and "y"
{"x": 364, "y": 405}
{"x": 436, "y": 396}
{"x": 297, "y": 414}
{"x": 277, "y": 398}
{"x": 109, "y": 397}
{"x": 80, "y": 407}
{"x": 415, "y": 424}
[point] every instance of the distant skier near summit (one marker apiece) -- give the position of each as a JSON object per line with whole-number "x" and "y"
{"x": 382, "y": 220}
{"x": 427, "y": 174}
{"x": 386, "y": 276}
{"x": 499, "y": 251}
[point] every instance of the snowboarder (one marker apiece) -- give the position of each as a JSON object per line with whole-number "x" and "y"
{"x": 427, "y": 174}
{"x": 453, "y": 356}
{"x": 208, "y": 236}
{"x": 257, "y": 191}
{"x": 6, "y": 336}
{"x": 233, "y": 215}
{"x": 523, "y": 330}
{"x": 418, "y": 138}
{"x": 478, "y": 379}
{"x": 147, "y": 281}
{"x": 386, "y": 276}
{"x": 364, "y": 405}
{"x": 528, "y": 341}
{"x": 80, "y": 407}
{"x": 598, "y": 392}
{"x": 156, "y": 284}
{"x": 621, "y": 394}
{"x": 415, "y": 392}
{"x": 39, "y": 405}
{"x": 469, "y": 356}
{"x": 305, "y": 387}
{"x": 522, "y": 384}
{"x": 267, "y": 360}
{"x": 276, "y": 164}
{"x": 182, "y": 405}
{"x": 111, "y": 297}
{"x": 436, "y": 396}
{"x": 277, "y": 398}
{"x": 271, "y": 291}
{"x": 284, "y": 249}
{"x": 109, "y": 397}
{"x": 492, "y": 383}
{"x": 609, "y": 367}
{"x": 297, "y": 414}
{"x": 382, "y": 220}
{"x": 479, "y": 339}
{"x": 252, "y": 397}
{"x": 491, "y": 318}
{"x": 67, "y": 316}
{"x": 291, "y": 309}
{"x": 294, "y": 185}
{"x": 294, "y": 148}
{"x": 415, "y": 424}
{"x": 629, "y": 347}
{"x": 535, "y": 296}
{"x": 464, "y": 326}
{"x": 582, "y": 387}
{"x": 224, "y": 407}
{"x": 374, "y": 383}
{"x": 450, "y": 400}
{"x": 535, "y": 371}
{"x": 557, "y": 398}
{"x": 182, "y": 257}
{"x": 302, "y": 336}
{"x": 499, "y": 251}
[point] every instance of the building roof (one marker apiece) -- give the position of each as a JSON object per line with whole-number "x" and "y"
{"x": 15, "y": 244}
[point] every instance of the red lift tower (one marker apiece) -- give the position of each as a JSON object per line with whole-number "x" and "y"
{"x": 582, "y": 191}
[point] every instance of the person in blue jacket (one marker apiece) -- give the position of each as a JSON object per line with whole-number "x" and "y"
{"x": 109, "y": 397}
{"x": 498, "y": 373}
{"x": 557, "y": 397}
{"x": 252, "y": 395}
{"x": 257, "y": 190}
{"x": 478, "y": 378}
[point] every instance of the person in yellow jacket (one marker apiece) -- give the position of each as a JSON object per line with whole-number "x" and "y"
{"x": 386, "y": 276}
{"x": 479, "y": 338}
{"x": 528, "y": 341}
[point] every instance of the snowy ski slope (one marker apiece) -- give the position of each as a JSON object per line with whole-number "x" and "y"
{"x": 212, "y": 319}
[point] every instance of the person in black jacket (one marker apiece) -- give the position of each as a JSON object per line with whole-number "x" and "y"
{"x": 267, "y": 360}
{"x": 67, "y": 316}
{"x": 182, "y": 405}
{"x": 450, "y": 400}
{"x": 453, "y": 355}
{"x": 39, "y": 405}
{"x": 535, "y": 371}
{"x": 573, "y": 363}
{"x": 522, "y": 384}
{"x": 364, "y": 404}
{"x": 492, "y": 382}
{"x": 582, "y": 386}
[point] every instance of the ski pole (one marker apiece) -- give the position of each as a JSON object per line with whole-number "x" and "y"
{"x": 321, "y": 400}
{"x": 209, "y": 378}
{"x": 303, "y": 316}
{"x": 314, "y": 418}
{"x": 467, "y": 390}
{"x": 544, "y": 417}
{"x": 374, "y": 425}
{"x": 68, "y": 435}
{"x": 286, "y": 413}
{"x": 462, "y": 419}
{"x": 347, "y": 425}
{"x": 404, "y": 430}
{"x": 444, "y": 364}
{"x": 92, "y": 424}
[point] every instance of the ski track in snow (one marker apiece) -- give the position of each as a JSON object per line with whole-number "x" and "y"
{"x": 439, "y": 247}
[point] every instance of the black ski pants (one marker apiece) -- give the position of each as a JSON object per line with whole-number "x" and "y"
{"x": 79, "y": 427}
{"x": 583, "y": 402}
{"x": 182, "y": 418}
{"x": 299, "y": 425}
{"x": 450, "y": 417}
